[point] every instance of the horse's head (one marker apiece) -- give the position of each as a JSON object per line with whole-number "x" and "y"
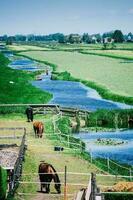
{"x": 58, "y": 187}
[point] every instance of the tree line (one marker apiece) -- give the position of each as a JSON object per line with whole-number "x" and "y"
{"x": 117, "y": 36}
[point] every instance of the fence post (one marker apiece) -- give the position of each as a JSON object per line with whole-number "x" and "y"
{"x": 91, "y": 155}
{"x": 93, "y": 186}
{"x": 65, "y": 184}
{"x": 54, "y": 125}
{"x": 60, "y": 136}
{"x": 11, "y": 181}
{"x": 68, "y": 140}
{"x": 96, "y": 124}
{"x": 108, "y": 164}
{"x": 130, "y": 172}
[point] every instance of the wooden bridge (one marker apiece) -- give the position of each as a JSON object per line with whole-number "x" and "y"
{"x": 51, "y": 108}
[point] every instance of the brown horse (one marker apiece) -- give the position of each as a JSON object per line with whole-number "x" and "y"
{"x": 38, "y": 129}
{"x": 46, "y": 174}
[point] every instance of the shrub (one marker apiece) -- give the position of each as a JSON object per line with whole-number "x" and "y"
{"x": 111, "y": 196}
{"x": 3, "y": 183}
{"x": 64, "y": 125}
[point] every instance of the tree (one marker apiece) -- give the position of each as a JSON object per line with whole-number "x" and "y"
{"x": 31, "y": 37}
{"x": 108, "y": 34}
{"x": 118, "y": 36}
{"x": 61, "y": 38}
{"x": 86, "y": 38}
{"x": 9, "y": 41}
{"x": 20, "y": 38}
{"x": 70, "y": 39}
{"x": 98, "y": 37}
{"x": 74, "y": 38}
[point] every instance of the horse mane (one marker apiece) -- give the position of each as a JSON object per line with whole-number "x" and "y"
{"x": 56, "y": 175}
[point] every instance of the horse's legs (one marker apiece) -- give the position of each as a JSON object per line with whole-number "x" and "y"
{"x": 41, "y": 187}
{"x": 48, "y": 188}
{"x": 35, "y": 130}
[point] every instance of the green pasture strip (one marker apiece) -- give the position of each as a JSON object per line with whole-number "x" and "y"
{"x": 21, "y": 90}
{"x": 106, "y": 54}
{"x": 98, "y": 46}
{"x": 124, "y": 46}
{"x": 25, "y": 48}
{"x": 107, "y": 75}
{"x": 103, "y": 91}
{"x": 118, "y": 46}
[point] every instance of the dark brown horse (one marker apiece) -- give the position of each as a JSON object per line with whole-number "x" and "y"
{"x": 38, "y": 129}
{"x": 47, "y": 173}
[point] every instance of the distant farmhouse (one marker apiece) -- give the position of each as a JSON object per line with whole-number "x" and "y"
{"x": 108, "y": 40}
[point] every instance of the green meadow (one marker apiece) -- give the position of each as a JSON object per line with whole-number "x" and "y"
{"x": 110, "y": 73}
{"x": 15, "y": 86}
{"x": 122, "y": 54}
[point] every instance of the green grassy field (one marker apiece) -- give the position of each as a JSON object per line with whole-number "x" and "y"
{"x": 55, "y": 45}
{"x": 114, "y": 74}
{"x": 25, "y": 48}
{"x": 124, "y": 54}
{"x": 15, "y": 86}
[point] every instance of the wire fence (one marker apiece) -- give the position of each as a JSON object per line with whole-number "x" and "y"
{"x": 106, "y": 164}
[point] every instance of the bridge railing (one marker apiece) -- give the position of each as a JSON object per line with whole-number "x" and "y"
{"x": 45, "y": 108}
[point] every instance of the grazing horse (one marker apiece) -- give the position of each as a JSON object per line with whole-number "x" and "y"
{"x": 38, "y": 129}
{"x": 46, "y": 174}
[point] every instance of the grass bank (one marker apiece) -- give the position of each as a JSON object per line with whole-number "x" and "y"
{"x": 103, "y": 91}
{"x": 16, "y": 88}
{"x": 117, "y": 54}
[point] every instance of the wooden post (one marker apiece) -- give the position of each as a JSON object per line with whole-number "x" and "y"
{"x": 68, "y": 140}
{"x": 116, "y": 121}
{"x": 65, "y": 184}
{"x": 128, "y": 120}
{"x": 11, "y": 181}
{"x": 60, "y": 137}
{"x": 93, "y": 186}
{"x": 91, "y": 156}
{"x": 96, "y": 124}
{"x": 86, "y": 119}
{"x": 108, "y": 164}
{"x": 130, "y": 172}
{"x": 54, "y": 125}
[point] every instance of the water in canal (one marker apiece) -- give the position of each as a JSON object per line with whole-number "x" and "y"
{"x": 76, "y": 95}
{"x": 122, "y": 152}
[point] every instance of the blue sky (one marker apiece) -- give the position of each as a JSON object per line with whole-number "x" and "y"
{"x": 66, "y": 16}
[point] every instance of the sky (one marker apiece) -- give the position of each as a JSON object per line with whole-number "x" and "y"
{"x": 65, "y": 16}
